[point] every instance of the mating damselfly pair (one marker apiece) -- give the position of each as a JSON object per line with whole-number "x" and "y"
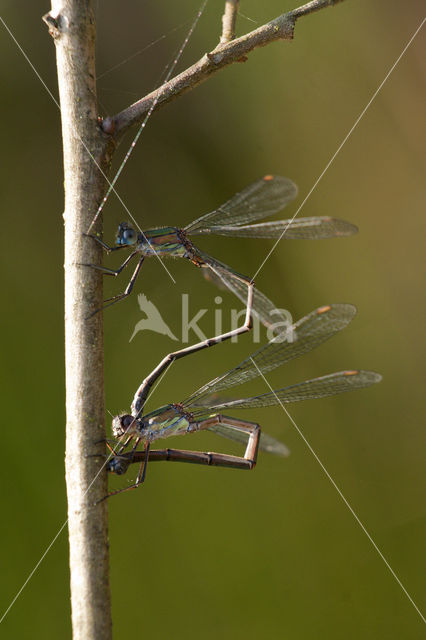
{"x": 203, "y": 409}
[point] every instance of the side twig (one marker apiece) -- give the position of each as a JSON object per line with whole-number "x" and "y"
{"x": 281, "y": 28}
{"x": 229, "y": 19}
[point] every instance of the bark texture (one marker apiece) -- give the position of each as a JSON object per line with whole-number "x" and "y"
{"x": 71, "y": 24}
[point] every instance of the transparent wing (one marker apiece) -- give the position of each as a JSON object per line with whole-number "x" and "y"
{"x": 263, "y": 198}
{"x": 297, "y": 229}
{"x": 299, "y": 338}
{"x": 267, "y": 442}
{"x": 223, "y": 276}
{"x": 321, "y": 387}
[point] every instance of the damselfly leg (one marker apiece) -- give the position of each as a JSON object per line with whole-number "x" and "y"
{"x": 133, "y": 456}
{"x": 115, "y": 272}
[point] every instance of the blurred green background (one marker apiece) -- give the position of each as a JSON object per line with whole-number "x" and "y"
{"x": 204, "y": 552}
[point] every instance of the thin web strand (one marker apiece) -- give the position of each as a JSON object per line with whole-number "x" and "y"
{"x": 49, "y": 546}
{"x": 62, "y": 527}
{"x": 147, "y": 117}
{"x": 138, "y": 53}
{"x": 82, "y": 142}
{"x": 341, "y": 495}
{"x": 345, "y": 139}
{"x": 241, "y": 15}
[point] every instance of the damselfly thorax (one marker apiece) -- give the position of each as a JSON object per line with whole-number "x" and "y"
{"x": 169, "y": 420}
{"x": 162, "y": 241}
{"x": 168, "y": 241}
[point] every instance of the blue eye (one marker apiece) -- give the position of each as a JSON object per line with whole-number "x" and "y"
{"x": 117, "y": 465}
{"x": 129, "y": 236}
{"x": 126, "y": 235}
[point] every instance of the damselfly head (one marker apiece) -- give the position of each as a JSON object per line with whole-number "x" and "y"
{"x": 124, "y": 424}
{"x": 126, "y": 235}
{"x": 118, "y": 465}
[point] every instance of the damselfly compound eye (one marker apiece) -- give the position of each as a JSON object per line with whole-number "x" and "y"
{"x": 117, "y": 465}
{"x": 121, "y": 424}
{"x": 126, "y": 235}
{"x": 129, "y": 236}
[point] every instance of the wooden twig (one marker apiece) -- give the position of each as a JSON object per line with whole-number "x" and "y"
{"x": 71, "y": 24}
{"x": 229, "y": 19}
{"x": 281, "y": 28}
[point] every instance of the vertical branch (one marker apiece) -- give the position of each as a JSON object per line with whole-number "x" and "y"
{"x": 229, "y": 19}
{"x": 71, "y": 24}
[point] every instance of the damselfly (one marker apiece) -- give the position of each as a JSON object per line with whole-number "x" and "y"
{"x": 203, "y": 410}
{"x": 263, "y": 198}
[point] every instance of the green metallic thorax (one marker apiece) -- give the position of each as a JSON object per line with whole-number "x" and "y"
{"x": 164, "y": 422}
{"x": 165, "y": 241}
